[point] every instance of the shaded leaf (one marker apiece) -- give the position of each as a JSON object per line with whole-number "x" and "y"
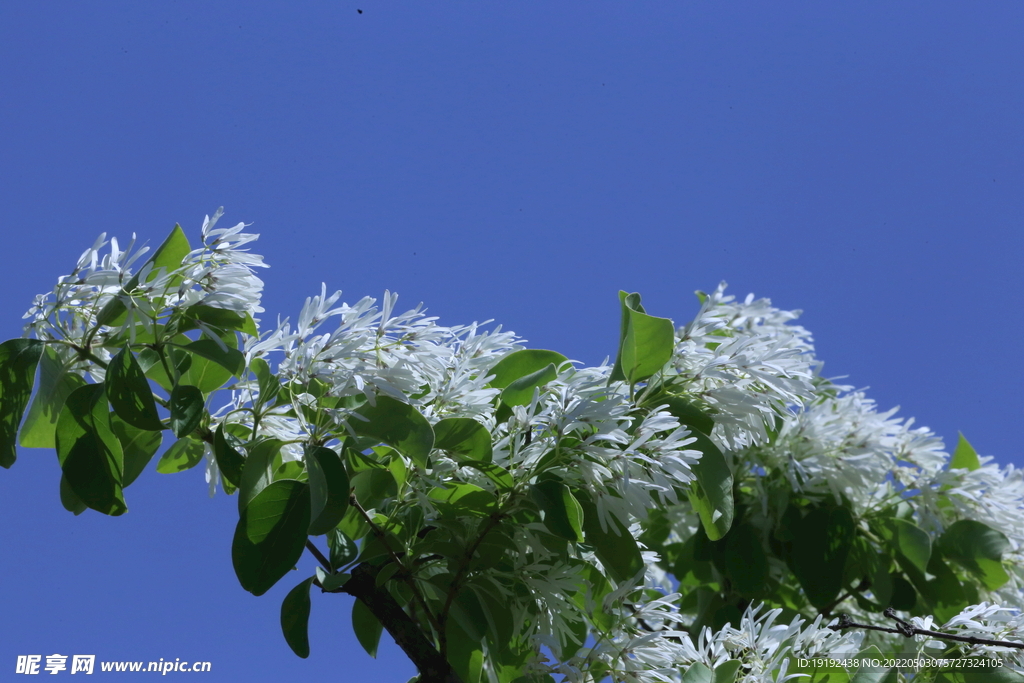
{"x": 821, "y": 542}
{"x": 910, "y": 539}
{"x": 129, "y": 392}
{"x": 367, "y": 628}
{"x": 614, "y": 546}
{"x": 230, "y": 359}
{"x": 18, "y": 360}
{"x": 138, "y": 447}
{"x": 645, "y": 342}
{"x": 343, "y": 549}
{"x": 229, "y": 461}
{"x": 563, "y": 515}
{"x": 271, "y": 535}
{"x": 68, "y": 498}
{"x": 711, "y": 493}
{"x": 187, "y": 407}
{"x": 329, "y": 489}
{"x": 979, "y": 549}
{"x": 295, "y": 618}
{"x": 90, "y": 455}
{"x": 257, "y": 473}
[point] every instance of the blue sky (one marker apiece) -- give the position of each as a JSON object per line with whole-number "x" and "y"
{"x": 520, "y": 162}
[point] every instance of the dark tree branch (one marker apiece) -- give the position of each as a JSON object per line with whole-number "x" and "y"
{"x": 908, "y": 630}
{"x": 432, "y": 666}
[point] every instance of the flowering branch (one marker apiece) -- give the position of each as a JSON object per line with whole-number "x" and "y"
{"x": 908, "y": 630}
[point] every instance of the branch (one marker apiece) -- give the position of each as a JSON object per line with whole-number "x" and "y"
{"x": 908, "y": 630}
{"x": 432, "y": 666}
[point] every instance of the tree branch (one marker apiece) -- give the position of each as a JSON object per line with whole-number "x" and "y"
{"x": 432, "y": 666}
{"x": 908, "y": 630}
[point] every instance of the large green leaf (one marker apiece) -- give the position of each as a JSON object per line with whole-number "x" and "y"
{"x": 964, "y": 456}
{"x": 208, "y": 375}
{"x": 520, "y": 391}
{"x": 463, "y": 499}
{"x": 367, "y": 627}
{"x": 138, "y": 446}
{"x": 397, "y": 424}
{"x": 184, "y": 454}
{"x": 645, "y": 342}
{"x": 295, "y": 618}
{"x": 220, "y": 319}
{"x": 522, "y": 363}
{"x": 257, "y": 472}
{"x": 70, "y": 501}
{"x": 711, "y": 493}
{"x": 90, "y": 455}
{"x": 230, "y": 359}
{"x": 909, "y": 539}
{"x": 686, "y": 412}
{"x": 563, "y": 515}
{"x": 979, "y": 549}
{"x": 129, "y": 392}
{"x": 271, "y": 535}
{"x": 168, "y": 256}
{"x": 267, "y": 381}
{"x": 697, "y": 673}
{"x": 821, "y": 542}
{"x": 149, "y": 360}
{"x": 743, "y": 560}
{"x": 56, "y": 382}
{"x": 940, "y": 589}
{"x": 18, "y": 360}
{"x": 328, "y": 488}
{"x": 229, "y": 460}
{"x": 614, "y": 546}
{"x": 187, "y": 407}
{"x": 463, "y": 437}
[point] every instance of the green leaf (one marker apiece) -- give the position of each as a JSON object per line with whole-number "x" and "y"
{"x": 520, "y": 391}
{"x": 697, "y": 673}
{"x": 187, "y": 407}
{"x": 366, "y": 627}
{"x": 743, "y": 559}
{"x": 18, "y": 360}
{"x": 940, "y": 590}
{"x": 964, "y": 457}
{"x": 397, "y": 424}
{"x": 686, "y": 412}
{"x": 496, "y": 473}
{"x": 138, "y": 446}
{"x": 229, "y": 461}
{"x": 203, "y": 373}
{"x": 90, "y": 455}
{"x": 230, "y": 359}
{"x": 465, "y": 653}
{"x": 563, "y": 515}
{"x": 129, "y": 392}
{"x": 726, "y": 671}
{"x": 463, "y": 437}
{"x": 70, "y": 501}
{"x": 522, "y": 363}
{"x": 184, "y": 454}
{"x": 271, "y": 535}
{"x": 821, "y": 542}
{"x": 153, "y": 367}
{"x": 267, "y": 381}
{"x": 220, "y": 319}
{"x": 343, "y": 549}
{"x": 257, "y": 473}
{"x": 56, "y": 382}
{"x": 614, "y": 546}
{"x": 461, "y": 499}
{"x": 372, "y": 487}
{"x": 168, "y": 256}
{"x": 909, "y": 539}
{"x": 295, "y": 618}
{"x": 979, "y": 549}
{"x": 328, "y": 487}
{"x": 645, "y": 342}
{"x": 711, "y": 493}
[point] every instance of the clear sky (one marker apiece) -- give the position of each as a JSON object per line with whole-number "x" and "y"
{"x": 516, "y": 161}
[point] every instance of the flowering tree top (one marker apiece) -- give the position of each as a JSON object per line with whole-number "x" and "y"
{"x": 701, "y": 510}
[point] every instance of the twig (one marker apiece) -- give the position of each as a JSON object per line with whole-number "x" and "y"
{"x": 908, "y": 630}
